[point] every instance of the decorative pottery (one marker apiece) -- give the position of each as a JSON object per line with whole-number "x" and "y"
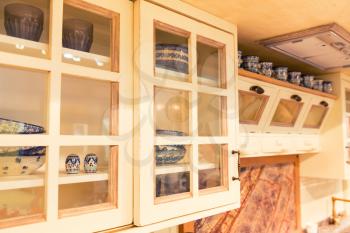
{"x": 308, "y": 81}
{"x": 172, "y": 57}
{"x": 240, "y": 61}
{"x": 281, "y": 73}
{"x": 72, "y": 164}
{"x": 15, "y": 161}
{"x": 77, "y": 34}
{"x": 23, "y": 21}
{"x": 294, "y": 77}
{"x": 164, "y": 132}
{"x": 251, "y": 63}
{"x": 90, "y": 163}
{"x": 16, "y": 127}
{"x": 317, "y": 85}
{"x": 328, "y": 87}
{"x": 169, "y": 154}
{"x": 266, "y": 68}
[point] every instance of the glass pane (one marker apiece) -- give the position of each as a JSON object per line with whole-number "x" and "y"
{"x": 251, "y": 107}
{"x": 23, "y": 101}
{"x": 210, "y": 68}
{"x": 211, "y": 115}
{"x": 87, "y": 176}
{"x": 87, "y": 38}
{"x": 212, "y": 165}
{"x": 171, "y": 112}
{"x": 315, "y": 117}
{"x": 172, "y": 169}
{"x": 347, "y": 98}
{"x": 171, "y": 55}
{"x": 26, "y": 202}
{"x": 86, "y": 106}
{"x": 24, "y": 27}
{"x": 22, "y": 173}
{"x": 286, "y": 113}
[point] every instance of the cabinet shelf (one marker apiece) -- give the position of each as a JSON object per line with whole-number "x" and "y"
{"x": 82, "y": 177}
{"x": 264, "y": 78}
{"x": 177, "y": 168}
{"x": 20, "y": 182}
{"x": 81, "y": 58}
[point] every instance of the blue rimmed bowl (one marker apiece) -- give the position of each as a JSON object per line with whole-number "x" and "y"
{"x": 15, "y": 161}
{"x": 165, "y": 132}
{"x": 17, "y": 127}
{"x": 172, "y": 57}
{"x": 169, "y": 154}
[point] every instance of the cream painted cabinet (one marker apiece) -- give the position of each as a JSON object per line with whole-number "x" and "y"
{"x": 73, "y": 88}
{"x": 332, "y": 161}
{"x": 185, "y": 115}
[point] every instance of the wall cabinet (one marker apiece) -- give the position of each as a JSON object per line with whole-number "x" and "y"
{"x": 80, "y": 101}
{"x": 279, "y": 118}
{"x": 185, "y": 116}
{"x": 333, "y": 161}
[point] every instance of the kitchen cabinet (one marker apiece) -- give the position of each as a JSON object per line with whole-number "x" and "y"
{"x": 78, "y": 100}
{"x": 186, "y": 123}
{"x": 279, "y": 118}
{"x": 332, "y": 162}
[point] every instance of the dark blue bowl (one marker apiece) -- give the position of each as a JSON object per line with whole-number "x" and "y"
{"x": 172, "y": 57}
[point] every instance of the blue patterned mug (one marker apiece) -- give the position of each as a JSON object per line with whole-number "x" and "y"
{"x": 72, "y": 164}
{"x": 90, "y": 163}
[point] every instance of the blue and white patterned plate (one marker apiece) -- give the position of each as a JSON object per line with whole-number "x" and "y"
{"x": 169, "y": 154}
{"x": 16, "y": 127}
{"x": 20, "y": 165}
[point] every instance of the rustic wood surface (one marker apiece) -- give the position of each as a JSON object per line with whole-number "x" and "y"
{"x": 267, "y": 203}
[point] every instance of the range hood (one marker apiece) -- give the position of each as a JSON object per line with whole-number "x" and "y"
{"x": 326, "y": 47}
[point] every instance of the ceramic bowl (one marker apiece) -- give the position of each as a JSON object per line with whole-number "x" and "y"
{"x": 23, "y": 21}
{"x": 294, "y": 77}
{"x": 164, "y": 132}
{"x": 317, "y": 84}
{"x": 172, "y": 57}
{"x": 16, "y": 127}
{"x": 15, "y": 161}
{"x": 77, "y": 34}
{"x": 307, "y": 81}
{"x": 328, "y": 87}
{"x": 251, "y": 63}
{"x": 169, "y": 154}
{"x": 266, "y": 68}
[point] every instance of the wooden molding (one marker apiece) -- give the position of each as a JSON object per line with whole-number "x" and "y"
{"x": 280, "y": 83}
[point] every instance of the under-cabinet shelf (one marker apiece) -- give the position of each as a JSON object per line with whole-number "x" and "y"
{"x": 177, "y": 168}
{"x": 82, "y": 177}
{"x": 274, "y": 81}
{"x": 21, "y": 182}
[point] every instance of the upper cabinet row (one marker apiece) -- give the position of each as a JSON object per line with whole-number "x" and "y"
{"x": 115, "y": 113}
{"x": 271, "y": 106}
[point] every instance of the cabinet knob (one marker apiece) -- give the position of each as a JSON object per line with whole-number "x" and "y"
{"x": 296, "y": 98}
{"x": 324, "y": 104}
{"x": 257, "y": 89}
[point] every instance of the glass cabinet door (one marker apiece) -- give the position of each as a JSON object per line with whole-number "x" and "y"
{"x": 286, "y": 113}
{"x": 316, "y": 115}
{"x": 186, "y": 126}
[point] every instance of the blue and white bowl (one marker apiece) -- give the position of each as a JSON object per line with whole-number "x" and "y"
{"x": 72, "y": 164}
{"x": 169, "y": 154}
{"x": 90, "y": 163}
{"x": 15, "y": 161}
{"x": 172, "y": 57}
{"x": 16, "y": 127}
{"x": 165, "y": 132}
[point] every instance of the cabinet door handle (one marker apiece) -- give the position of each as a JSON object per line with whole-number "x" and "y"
{"x": 239, "y": 165}
{"x": 257, "y": 89}
{"x": 296, "y": 98}
{"x": 324, "y": 104}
